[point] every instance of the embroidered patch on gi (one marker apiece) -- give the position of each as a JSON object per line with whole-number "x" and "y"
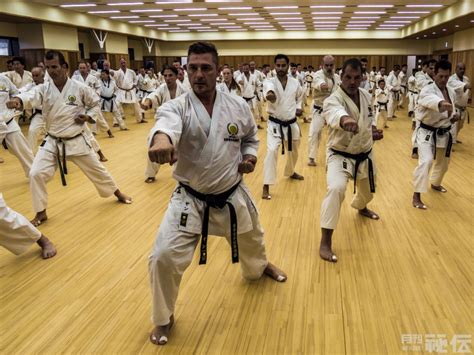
{"x": 232, "y": 129}
{"x": 184, "y": 219}
{"x": 71, "y": 100}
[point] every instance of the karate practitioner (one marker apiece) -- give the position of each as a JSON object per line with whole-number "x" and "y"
{"x": 108, "y": 101}
{"x": 381, "y": 98}
{"x": 260, "y": 100}
{"x": 394, "y": 86}
{"x": 403, "y": 85}
{"x": 285, "y": 99}
{"x": 91, "y": 81}
{"x": 229, "y": 85}
{"x": 126, "y": 81}
{"x": 67, "y": 106}
{"x": 170, "y": 90}
{"x": 436, "y": 115}
{"x": 17, "y": 234}
{"x": 461, "y": 86}
{"x": 249, "y": 84}
{"x": 352, "y": 132}
{"x": 412, "y": 97}
{"x": 324, "y": 84}
{"x": 19, "y": 76}
{"x": 37, "y": 128}
{"x": 211, "y": 156}
{"x": 10, "y": 133}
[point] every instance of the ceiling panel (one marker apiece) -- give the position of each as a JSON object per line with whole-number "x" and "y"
{"x": 234, "y": 15}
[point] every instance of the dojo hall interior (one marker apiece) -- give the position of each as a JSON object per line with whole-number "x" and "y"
{"x": 402, "y": 284}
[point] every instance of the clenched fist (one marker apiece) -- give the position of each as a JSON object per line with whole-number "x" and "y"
{"x": 377, "y": 134}
{"x": 271, "y": 97}
{"x": 445, "y": 106}
{"x": 349, "y": 124}
{"x": 14, "y": 103}
{"x": 161, "y": 150}
{"x": 248, "y": 164}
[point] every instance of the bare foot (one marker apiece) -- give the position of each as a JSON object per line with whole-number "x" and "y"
{"x": 39, "y": 218}
{"x": 458, "y": 141}
{"x": 417, "y": 203}
{"x": 150, "y": 180}
{"x": 275, "y": 273}
{"x": 414, "y": 153}
{"x": 121, "y": 197}
{"x": 111, "y": 136}
{"x": 368, "y": 213}
{"x": 259, "y": 127}
{"x": 439, "y": 188}
{"x": 311, "y": 162}
{"x": 296, "y": 176}
{"x": 103, "y": 159}
{"x": 124, "y": 129}
{"x": 143, "y": 121}
{"x": 266, "y": 193}
{"x": 47, "y": 248}
{"x": 386, "y": 126}
{"x": 326, "y": 253}
{"x": 115, "y": 125}
{"x": 159, "y": 335}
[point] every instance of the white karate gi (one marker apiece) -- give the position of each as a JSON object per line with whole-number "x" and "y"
{"x": 249, "y": 91}
{"x": 59, "y": 111}
{"x": 381, "y": 102}
{"x": 108, "y": 102}
{"x": 11, "y": 133}
{"x": 126, "y": 83}
{"x": 37, "y": 128}
{"x": 412, "y": 96}
{"x": 18, "y": 80}
{"x": 392, "y": 83}
{"x": 339, "y": 168}
{"x": 319, "y": 95}
{"x": 222, "y": 87}
{"x": 288, "y": 100}
{"x": 428, "y": 113}
{"x": 209, "y": 152}
{"x": 403, "y": 87}
{"x": 158, "y": 98}
{"x": 462, "y": 98}
{"x": 94, "y": 84}
{"x": 17, "y": 234}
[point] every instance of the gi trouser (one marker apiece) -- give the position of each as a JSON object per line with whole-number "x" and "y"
{"x": 274, "y": 140}
{"x": 425, "y": 162}
{"x": 173, "y": 251}
{"x": 315, "y": 131}
{"x": 339, "y": 170}
{"x": 151, "y": 168}
{"x": 36, "y": 131}
{"x": 45, "y": 165}
{"x": 17, "y": 145}
{"x": 17, "y": 234}
{"x": 412, "y": 102}
{"x": 393, "y": 99}
{"x": 381, "y": 114}
{"x": 101, "y": 123}
{"x": 458, "y": 125}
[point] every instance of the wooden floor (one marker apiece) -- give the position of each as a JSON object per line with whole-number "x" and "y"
{"x": 409, "y": 273}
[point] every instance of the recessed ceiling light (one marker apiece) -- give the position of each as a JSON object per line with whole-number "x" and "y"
{"x": 387, "y": 28}
{"x": 104, "y": 12}
{"x": 444, "y": 29}
{"x": 233, "y": 27}
{"x": 192, "y": 9}
{"x": 244, "y": 14}
{"x": 164, "y": 2}
{"x": 370, "y": 12}
{"x": 257, "y": 23}
{"x": 417, "y": 37}
{"x": 177, "y": 20}
{"x": 327, "y": 6}
{"x": 147, "y": 10}
{"x": 369, "y": 21}
{"x": 397, "y": 21}
{"x": 375, "y": 6}
{"x": 179, "y": 31}
{"x": 291, "y": 23}
{"x": 78, "y": 5}
{"x": 325, "y": 22}
{"x": 327, "y": 13}
{"x": 120, "y": 17}
{"x": 214, "y": 19}
{"x": 456, "y": 26}
{"x": 199, "y": 28}
{"x": 424, "y": 5}
{"x": 425, "y": 35}
{"x": 326, "y": 18}
{"x": 221, "y": 23}
{"x": 287, "y": 18}
{"x": 142, "y": 21}
{"x": 404, "y": 17}
{"x": 202, "y": 15}
{"x": 207, "y": 30}
{"x": 413, "y": 12}
{"x": 158, "y": 25}
{"x": 163, "y": 16}
{"x": 280, "y": 7}
{"x": 125, "y": 3}
{"x": 433, "y": 33}
{"x": 235, "y": 8}
{"x": 284, "y": 13}
{"x": 265, "y": 29}
{"x": 365, "y": 17}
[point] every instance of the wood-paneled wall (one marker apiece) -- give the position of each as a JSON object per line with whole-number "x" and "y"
{"x": 3, "y": 63}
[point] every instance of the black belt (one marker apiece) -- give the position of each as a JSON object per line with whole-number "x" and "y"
{"x": 290, "y": 136}
{"x": 62, "y": 165}
{"x": 413, "y": 92}
{"x": 359, "y": 158}
{"x": 216, "y": 201}
{"x": 440, "y": 131}
{"x": 249, "y": 98}
{"x": 105, "y": 98}
{"x": 37, "y": 112}
{"x": 317, "y": 108}
{"x": 396, "y": 95}
{"x": 11, "y": 119}
{"x": 384, "y": 104}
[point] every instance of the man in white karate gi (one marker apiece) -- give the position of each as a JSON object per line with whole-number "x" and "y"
{"x": 393, "y": 84}
{"x": 285, "y": 102}
{"x": 352, "y": 132}
{"x": 325, "y": 82}
{"x": 212, "y": 138}
{"x": 437, "y": 114}
{"x": 67, "y": 106}
{"x": 461, "y": 85}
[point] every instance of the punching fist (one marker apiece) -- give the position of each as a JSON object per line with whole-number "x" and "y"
{"x": 349, "y": 124}
{"x": 162, "y": 151}
{"x": 14, "y": 103}
{"x": 271, "y": 97}
{"x": 248, "y": 164}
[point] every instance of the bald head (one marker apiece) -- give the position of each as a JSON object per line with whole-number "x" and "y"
{"x": 106, "y": 64}
{"x": 460, "y": 70}
{"x": 38, "y": 75}
{"x": 328, "y": 64}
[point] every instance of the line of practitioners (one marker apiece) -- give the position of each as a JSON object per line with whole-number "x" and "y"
{"x": 211, "y": 137}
